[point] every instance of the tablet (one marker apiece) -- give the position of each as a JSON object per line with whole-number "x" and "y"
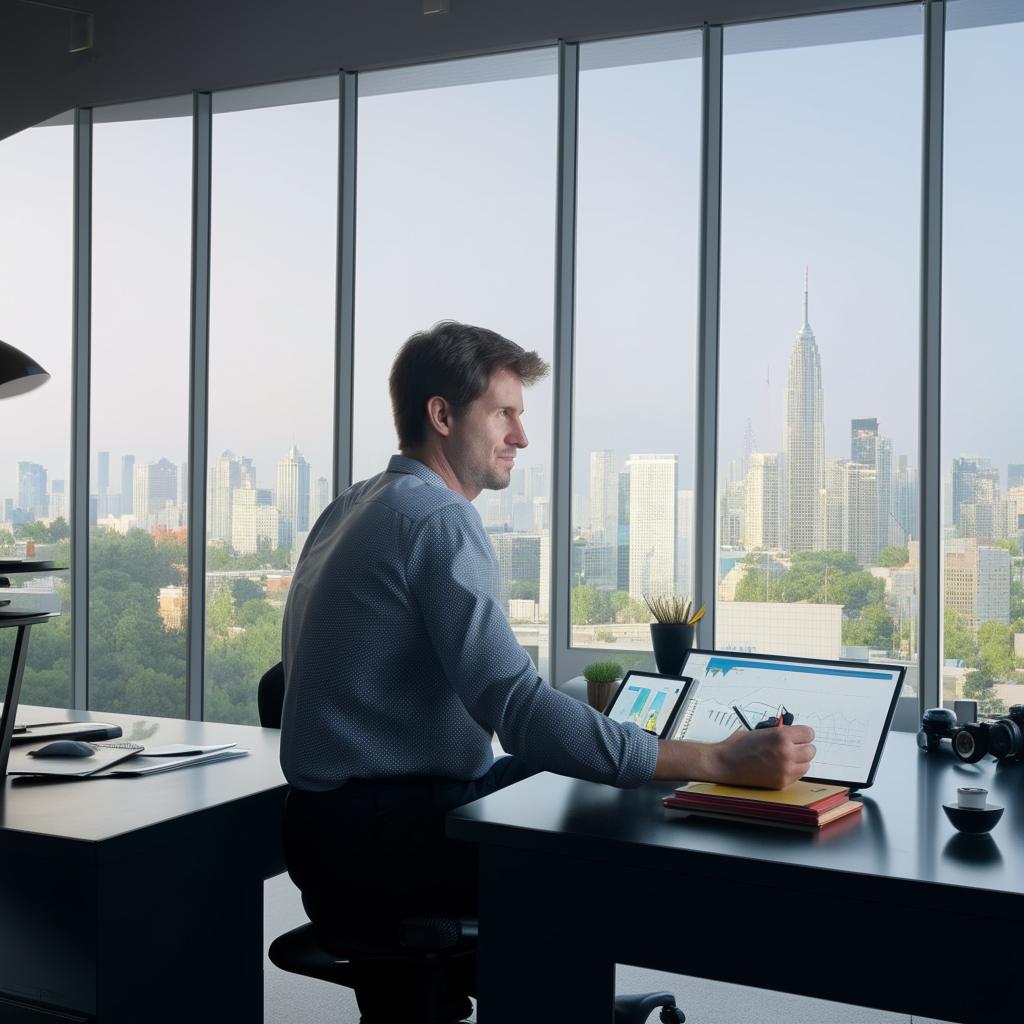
{"x": 849, "y": 704}
{"x": 650, "y": 700}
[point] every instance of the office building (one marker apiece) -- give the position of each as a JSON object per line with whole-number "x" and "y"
{"x": 684, "y": 543}
{"x": 518, "y": 557}
{"x": 889, "y": 532}
{"x": 255, "y": 525}
{"x": 226, "y": 475}
{"x": 604, "y": 498}
{"x": 653, "y": 499}
{"x": 731, "y": 512}
{"x": 798, "y": 630}
{"x": 102, "y": 473}
{"x": 972, "y": 479}
{"x": 851, "y": 520}
{"x": 863, "y": 441}
{"x": 1014, "y": 475}
{"x": 32, "y": 498}
{"x": 172, "y": 604}
{"x": 906, "y": 498}
{"x": 127, "y": 485}
{"x": 319, "y": 499}
{"x": 977, "y": 582}
{"x": 804, "y": 442}
{"x": 155, "y": 486}
{"x": 58, "y": 500}
{"x": 622, "y": 582}
{"x": 292, "y": 496}
{"x": 761, "y": 522}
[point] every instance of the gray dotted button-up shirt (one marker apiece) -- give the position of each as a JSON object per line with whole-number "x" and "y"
{"x": 399, "y": 660}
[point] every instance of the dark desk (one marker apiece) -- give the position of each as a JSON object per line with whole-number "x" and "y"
{"x": 131, "y": 900}
{"x": 886, "y": 912}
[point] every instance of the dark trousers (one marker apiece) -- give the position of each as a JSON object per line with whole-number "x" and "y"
{"x": 373, "y": 852}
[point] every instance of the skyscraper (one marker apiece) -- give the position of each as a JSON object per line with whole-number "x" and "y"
{"x": 226, "y": 475}
{"x": 254, "y": 520}
{"x": 761, "y": 502}
{"x": 102, "y": 472}
{"x": 127, "y": 484}
{"x": 321, "y": 498}
{"x": 652, "y": 524}
{"x": 32, "y": 498}
{"x": 804, "y": 442}
{"x": 684, "y": 535}
{"x": 155, "y": 486}
{"x": 604, "y": 498}
{"x": 1014, "y": 475}
{"x": 58, "y": 500}
{"x": 906, "y": 498}
{"x": 863, "y": 440}
{"x": 973, "y": 479}
{"x": 292, "y": 496}
{"x": 888, "y": 528}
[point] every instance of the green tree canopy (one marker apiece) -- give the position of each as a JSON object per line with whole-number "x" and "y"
{"x": 893, "y": 556}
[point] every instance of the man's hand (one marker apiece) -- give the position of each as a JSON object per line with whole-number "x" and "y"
{"x": 772, "y": 758}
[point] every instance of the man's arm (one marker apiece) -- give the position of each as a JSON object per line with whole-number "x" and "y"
{"x": 772, "y": 758}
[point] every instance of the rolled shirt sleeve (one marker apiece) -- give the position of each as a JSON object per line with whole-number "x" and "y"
{"x": 451, "y": 572}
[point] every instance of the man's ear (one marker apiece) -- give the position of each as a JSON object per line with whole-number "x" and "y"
{"x": 439, "y": 415}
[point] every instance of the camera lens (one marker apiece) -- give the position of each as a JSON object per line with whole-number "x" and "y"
{"x": 1005, "y": 739}
{"x": 967, "y": 747}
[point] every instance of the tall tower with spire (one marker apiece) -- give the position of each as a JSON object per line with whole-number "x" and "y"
{"x": 804, "y": 442}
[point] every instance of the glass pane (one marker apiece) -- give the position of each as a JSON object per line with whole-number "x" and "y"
{"x": 818, "y": 421}
{"x": 36, "y": 168}
{"x": 456, "y": 221}
{"x": 633, "y": 436}
{"x": 141, "y": 258}
{"x": 982, "y": 444}
{"x": 274, "y": 216}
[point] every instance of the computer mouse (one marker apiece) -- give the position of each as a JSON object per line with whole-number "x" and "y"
{"x": 64, "y": 748}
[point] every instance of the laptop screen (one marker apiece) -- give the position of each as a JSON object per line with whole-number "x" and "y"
{"x": 848, "y": 704}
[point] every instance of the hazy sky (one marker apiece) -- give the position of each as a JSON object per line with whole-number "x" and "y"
{"x": 456, "y": 206}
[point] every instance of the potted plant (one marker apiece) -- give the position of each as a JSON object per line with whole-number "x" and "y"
{"x": 672, "y": 631}
{"x": 601, "y": 677}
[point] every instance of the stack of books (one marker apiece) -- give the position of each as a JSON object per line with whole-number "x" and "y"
{"x": 809, "y": 806}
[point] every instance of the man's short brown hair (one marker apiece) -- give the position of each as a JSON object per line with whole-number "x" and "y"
{"x": 454, "y": 361}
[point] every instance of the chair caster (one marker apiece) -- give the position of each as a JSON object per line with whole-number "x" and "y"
{"x": 636, "y": 1009}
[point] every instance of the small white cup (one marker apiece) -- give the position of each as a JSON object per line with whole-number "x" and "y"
{"x": 972, "y": 797}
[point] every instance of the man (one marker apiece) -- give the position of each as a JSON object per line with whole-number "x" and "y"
{"x": 400, "y": 666}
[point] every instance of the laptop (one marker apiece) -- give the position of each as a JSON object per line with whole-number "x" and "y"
{"x": 849, "y": 704}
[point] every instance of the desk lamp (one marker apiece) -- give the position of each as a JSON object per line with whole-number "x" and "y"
{"x": 18, "y": 374}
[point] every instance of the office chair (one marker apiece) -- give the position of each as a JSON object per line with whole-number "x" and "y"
{"x": 429, "y": 947}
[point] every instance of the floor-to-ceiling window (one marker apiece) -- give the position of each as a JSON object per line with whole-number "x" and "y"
{"x": 35, "y": 317}
{"x": 271, "y": 394}
{"x": 982, "y": 365}
{"x": 455, "y": 221}
{"x": 818, "y": 388}
{"x": 638, "y": 188}
{"x": 141, "y": 255}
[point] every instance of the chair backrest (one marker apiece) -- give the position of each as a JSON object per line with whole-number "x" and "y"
{"x": 270, "y": 697}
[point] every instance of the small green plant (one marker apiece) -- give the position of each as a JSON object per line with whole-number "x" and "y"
{"x": 673, "y": 608}
{"x": 602, "y": 672}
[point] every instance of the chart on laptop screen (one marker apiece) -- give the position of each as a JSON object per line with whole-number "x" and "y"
{"x": 846, "y": 705}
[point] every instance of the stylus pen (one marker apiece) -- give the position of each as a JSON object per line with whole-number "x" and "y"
{"x": 743, "y": 721}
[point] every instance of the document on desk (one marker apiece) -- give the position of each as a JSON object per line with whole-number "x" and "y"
{"x": 143, "y": 765}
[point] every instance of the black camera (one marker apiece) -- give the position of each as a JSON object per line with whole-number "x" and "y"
{"x": 971, "y": 741}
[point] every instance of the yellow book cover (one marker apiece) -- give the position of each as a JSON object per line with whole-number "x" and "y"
{"x": 799, "y": 794}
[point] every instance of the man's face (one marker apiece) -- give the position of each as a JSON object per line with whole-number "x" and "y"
{"x": 485, "y": 438}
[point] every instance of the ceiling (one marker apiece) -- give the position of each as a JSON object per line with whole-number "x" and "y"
{"x": 145, "y": 49}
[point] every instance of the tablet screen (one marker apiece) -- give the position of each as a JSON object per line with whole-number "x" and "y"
{"x": 848, "y": 704}
{"x": 648, "y": 700}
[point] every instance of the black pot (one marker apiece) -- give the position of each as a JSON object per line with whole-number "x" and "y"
{"x": 672, "y": 642}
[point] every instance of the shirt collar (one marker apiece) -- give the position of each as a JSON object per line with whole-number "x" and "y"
{"x": 403, "y": 464}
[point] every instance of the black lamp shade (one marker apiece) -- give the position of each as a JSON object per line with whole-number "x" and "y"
{"x": 18, "y": 372}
